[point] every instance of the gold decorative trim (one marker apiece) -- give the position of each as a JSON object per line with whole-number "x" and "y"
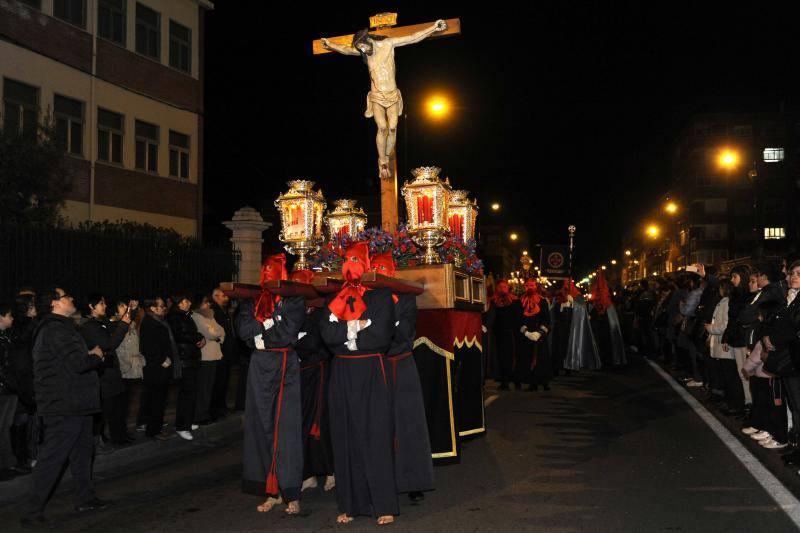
{"x": 471, "y": 432}
{"x": 436, "y": 349}
{"x": 443, "y": 455}
{"x": 452, "y": 417}
{"x": 468, "y": 343}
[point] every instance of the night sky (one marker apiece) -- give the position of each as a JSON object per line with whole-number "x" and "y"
{"x": 565, "y": 111}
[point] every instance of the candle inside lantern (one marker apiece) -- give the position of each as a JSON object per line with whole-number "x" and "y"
{"x": 296, "y": 219}
{"x": 456, "y": 222}
{"x": 424, "y": 209}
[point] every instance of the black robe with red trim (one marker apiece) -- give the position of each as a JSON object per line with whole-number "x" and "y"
{"x": 506, "y": 322}
{"x": 534, "y": 364}
{"x": 413, "y": 463}
{"x": 360, "y": 408}
{"x": 315, "y": 371}
{"x": 273, "y": 405}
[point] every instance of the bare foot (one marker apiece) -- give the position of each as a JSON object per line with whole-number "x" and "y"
{"x": 310, "y": 483}
{"x": 385, "y": 520}
{"x": 269, "y": 504}
{"x": 293, "y": 508}
{"x": 344, "y": 519}
{"x": 330, "y": 483}
{"x": 383, "y": 168}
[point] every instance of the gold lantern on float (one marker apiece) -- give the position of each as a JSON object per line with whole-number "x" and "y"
{"x": 301, "y": 211}
{"x": 461, "y": 215}
{"x": 345, "y": 219}
{"x": 427, "y": 198}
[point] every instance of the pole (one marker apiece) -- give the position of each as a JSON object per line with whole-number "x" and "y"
{"x": 571, "y": 231}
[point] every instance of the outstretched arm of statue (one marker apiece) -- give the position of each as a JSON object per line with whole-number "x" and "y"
{"x": 339, "y": 48}
{"x": 439, "y": 25}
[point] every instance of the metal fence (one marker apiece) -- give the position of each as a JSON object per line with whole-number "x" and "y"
{"x": 113, "y": 263}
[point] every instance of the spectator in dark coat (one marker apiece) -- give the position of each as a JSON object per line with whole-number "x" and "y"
{"x": 67, "y": 395}
{"x": 230, "y": 354}
{"x": 8, "y": 393}
{"x": 24, "y": 431}
{"x": 159, "y": 350}
{"x": 97, "y": 330}
{"x": 189, "y": 341}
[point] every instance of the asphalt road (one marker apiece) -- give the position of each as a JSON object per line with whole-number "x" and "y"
{"x": 605, "y": 451}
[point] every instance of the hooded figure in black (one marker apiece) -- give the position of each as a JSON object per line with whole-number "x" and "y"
{"x": 505, "y": 319}
{"x": 315, "y": 371}
{"x": 273, "y": 450}
{"x": 358, "y": 326}
{"x": 534, "y": 365}
{"x": 412, "y": 460}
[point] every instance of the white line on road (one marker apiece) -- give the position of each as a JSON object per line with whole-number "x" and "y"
{"x": 777, "y": 490}
{"x": 488, "y": 401}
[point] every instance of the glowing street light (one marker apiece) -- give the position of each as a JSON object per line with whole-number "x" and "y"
{"x": 525, "y": 252}
{"x": 652, "y": 231}
{"x": 728, "y": 159}
{"x": 628, "y": 253}
{"x": 603, "y": 267}
{"x": 613, "y": 261}
{"x": 513, "y": 236}
{"x": 438, "y": 107}
{"x": 671, "y": 208}
{"x": 495, "y": 207}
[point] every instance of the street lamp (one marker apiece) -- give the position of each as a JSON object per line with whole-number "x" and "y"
{"x": 652, "y": 231}
{"x": 495, "y": 206}
{"x": 671, "y": 208}
{"x": 438, "y": 107}
{"x": 628, "y": 253}
{"x": 613, "y": 261}
{"x": 513, "y": 236}
{"x": 728, "y": 159}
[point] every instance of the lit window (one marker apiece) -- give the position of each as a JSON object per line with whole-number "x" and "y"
{"x": 774, "y": 233}
{"x": 773, "y": 155}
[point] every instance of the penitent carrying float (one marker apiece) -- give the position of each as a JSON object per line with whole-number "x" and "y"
{"x": 435, "y": 256}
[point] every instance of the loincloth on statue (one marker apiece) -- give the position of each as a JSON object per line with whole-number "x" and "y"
{"x": 385, "y": 99}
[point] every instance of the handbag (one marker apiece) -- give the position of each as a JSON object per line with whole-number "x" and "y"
{"x": 780, "y": 363}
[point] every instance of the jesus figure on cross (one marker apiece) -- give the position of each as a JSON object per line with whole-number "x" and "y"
{"x": 384, "y": 101}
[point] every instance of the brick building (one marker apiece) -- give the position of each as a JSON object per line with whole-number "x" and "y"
{"x": 122, "y": 82}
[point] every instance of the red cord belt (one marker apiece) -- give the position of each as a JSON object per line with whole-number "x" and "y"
{"x": 366, "y": 356}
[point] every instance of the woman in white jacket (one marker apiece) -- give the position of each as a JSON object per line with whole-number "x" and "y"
{"x": 211, "y": 353}
{"x": 722, "y": 356}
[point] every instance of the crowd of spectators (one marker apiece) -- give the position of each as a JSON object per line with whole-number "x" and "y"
{"x": 734, "y": 337}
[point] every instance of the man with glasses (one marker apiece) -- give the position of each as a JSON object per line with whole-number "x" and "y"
{"x": 67, "y": 395}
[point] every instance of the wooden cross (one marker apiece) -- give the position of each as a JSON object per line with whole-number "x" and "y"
{"x": 383, "y": 24}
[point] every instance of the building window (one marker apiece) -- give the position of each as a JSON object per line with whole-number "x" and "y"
{"x": 146, "y": 146}
{"x": 716, "y": 206}
{"x": 178, "y": 155}
{"x": 20, "y": 109}
{"x": 109, "y": 136}
{"x": 72, "y": 11}
{"x": 148, "y": 32}
{"x": 774, "y": 233}
{"x": 180, "y": 47}
{"x": 69, "y": 124}
{"x": 111, "y": 20}
{"x": 773, "y": 155}
{"x": 710, "y": 232}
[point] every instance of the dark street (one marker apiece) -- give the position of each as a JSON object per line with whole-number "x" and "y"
{"x": 602, "y": 451}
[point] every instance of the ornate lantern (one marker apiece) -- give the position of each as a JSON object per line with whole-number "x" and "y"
{"x": 427, "y": 198}
{"x": 345, "y": 219}
{"x": 301, "y": 211}
{"x": 461, "y": 215}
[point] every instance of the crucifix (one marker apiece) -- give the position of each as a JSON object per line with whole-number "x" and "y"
{"x": 384, "y": 101}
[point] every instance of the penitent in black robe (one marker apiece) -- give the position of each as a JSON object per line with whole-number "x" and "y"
{"x": 534, "y": 364}
{"x": 273, "y": 405}
{"x": 412, "y": 460}
{"x": 505, "y": 323}
{"x": 360, "y": 408}
{"x": 315, "y": 370}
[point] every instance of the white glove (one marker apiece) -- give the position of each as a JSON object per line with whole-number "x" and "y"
{"x": 259, "y": 342}
{"x": 570, "y": 299}
{"x": 533, "y": 335}
{"x": 483, "y": 328}
{"x": 301, "y": 335}
{"x": 268, "y": 323}
{"x": 333, "y": 318}
{"x": 523, "y": 329}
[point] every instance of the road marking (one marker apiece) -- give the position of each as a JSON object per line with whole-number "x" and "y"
{"x": 777, "y": 490}
{"x": 488, "y": 401}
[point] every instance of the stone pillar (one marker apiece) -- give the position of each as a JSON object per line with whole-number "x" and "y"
{"x": 247, "y": 227}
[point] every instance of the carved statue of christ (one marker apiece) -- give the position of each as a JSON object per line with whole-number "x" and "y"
{"x": 384, "y": 101}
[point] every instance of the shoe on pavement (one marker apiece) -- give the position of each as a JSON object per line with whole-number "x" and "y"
{"x": 141, "y": 428}
{"x": 416, "y": 496}
{"x": 195, "y": 427}
{"x": 37, "y": 522}
{"x": 162, "y": 436}
{"x": 749, "y": 430}
{"x": 185, "y": 435}
{"x": 761, "y": 435}
{"x": 95, "y": 504}
{"x": 694, "y": 384}
{"x": 772, "y": 444}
